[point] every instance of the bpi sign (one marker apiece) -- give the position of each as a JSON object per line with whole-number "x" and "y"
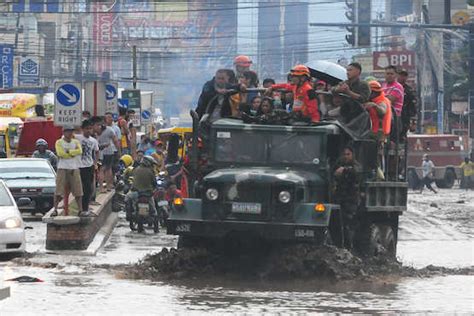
{"x": 400, "y": 59}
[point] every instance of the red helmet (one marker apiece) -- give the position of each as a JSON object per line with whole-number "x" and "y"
{"x": 243, "y": 61}
{"x": 300, "y": 70}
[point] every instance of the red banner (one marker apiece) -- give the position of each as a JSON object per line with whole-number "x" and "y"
{"x": 102, "y": 36}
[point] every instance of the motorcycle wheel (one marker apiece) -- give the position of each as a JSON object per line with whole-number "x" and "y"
{"x": 133, "y": 225}
{"x": 156, "y": 225}
{"x": 140, "y": 224}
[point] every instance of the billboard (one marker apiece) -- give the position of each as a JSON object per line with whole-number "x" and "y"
{"x": 29, "y": 71}
{"x": 102, "y": 35}
{"x": 6, "y": 66}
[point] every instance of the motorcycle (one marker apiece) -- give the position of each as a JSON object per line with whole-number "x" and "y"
{"x": 142, "y": 216}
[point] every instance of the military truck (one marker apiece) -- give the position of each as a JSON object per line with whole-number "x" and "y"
{"x": 274, "y": 182}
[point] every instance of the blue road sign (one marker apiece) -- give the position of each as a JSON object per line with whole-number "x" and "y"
{"x": 146, "y": 114}
{"x": 123, "y": 103}
{"x": 110, "y": 92}
{"x": 68, "y": 95}
{"x": 6, "y": 66}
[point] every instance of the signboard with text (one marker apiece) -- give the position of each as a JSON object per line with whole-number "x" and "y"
{"x": 67, "y": 103}
{"x": 111, "y": 97}
{"x": 134, "y": 103}
{"x": 6, "y": 66}
{"x": 400, "y": 59}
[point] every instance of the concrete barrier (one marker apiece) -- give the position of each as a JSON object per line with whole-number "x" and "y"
{"x": 4, "y": 292}
{"x": 73, "y": 232}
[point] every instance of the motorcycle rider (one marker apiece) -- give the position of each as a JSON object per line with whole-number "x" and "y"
{"x": 42, "y": 151}
{"x": 126, "y": 169}
{"x": 144, "y": 180}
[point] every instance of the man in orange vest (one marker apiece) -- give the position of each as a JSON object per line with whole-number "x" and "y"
{"x": 304, "y": 97}
{"x": 380, "y": 111}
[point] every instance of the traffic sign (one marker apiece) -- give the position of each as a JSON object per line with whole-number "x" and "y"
{"x": 134, "y": 103}
{"x": 68, "y": 94}
{"x": 110, "y": 91}
{"x": 123, "y": 103}
{"x": 111, "y": 97}
{"x": 146, "y": 117}
{"x": 67, "y": 103}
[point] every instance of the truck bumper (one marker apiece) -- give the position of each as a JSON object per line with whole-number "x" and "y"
{"x": 268, "y": 231}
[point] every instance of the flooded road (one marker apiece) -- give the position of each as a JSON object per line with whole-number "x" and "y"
{"x": 437, "y": 230}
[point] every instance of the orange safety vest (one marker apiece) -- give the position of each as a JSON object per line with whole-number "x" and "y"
{"x": 387, "y": 118}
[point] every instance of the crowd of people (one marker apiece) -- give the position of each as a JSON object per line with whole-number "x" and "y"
{"x": 238, "y": 93}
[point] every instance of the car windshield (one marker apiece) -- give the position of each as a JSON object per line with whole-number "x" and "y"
{"x": 5, "y": 199}
{"x": 25, "y": 169}
{"x": 257, "y": 147}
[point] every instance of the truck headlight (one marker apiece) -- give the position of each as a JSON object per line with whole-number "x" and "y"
{"x": 212, "y": 194}
{"x": 12, "y": 222}
{"x": 284, "y": 197}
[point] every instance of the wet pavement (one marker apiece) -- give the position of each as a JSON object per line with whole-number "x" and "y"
{"x": 437, "y": 230}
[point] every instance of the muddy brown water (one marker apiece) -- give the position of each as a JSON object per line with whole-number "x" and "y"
{"x": 437, "y": 230}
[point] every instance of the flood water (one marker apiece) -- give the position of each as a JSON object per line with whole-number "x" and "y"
{"x": 437, "y": 230}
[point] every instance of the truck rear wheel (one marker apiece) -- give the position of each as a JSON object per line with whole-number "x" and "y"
{"x": 413, "y": 180}
{"x": 377, "y": 240}
{"x": 448, "y": 181}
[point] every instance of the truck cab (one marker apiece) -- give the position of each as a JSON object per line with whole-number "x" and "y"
{"x": 275, "y": 182}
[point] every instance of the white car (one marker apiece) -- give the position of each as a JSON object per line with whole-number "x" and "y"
{"x": 12, "y": 228}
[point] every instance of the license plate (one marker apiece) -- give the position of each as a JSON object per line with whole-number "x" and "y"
{"x": 143, "y": 209}
{"x": 247, "y": 208}
{"x": 162, "y": 203}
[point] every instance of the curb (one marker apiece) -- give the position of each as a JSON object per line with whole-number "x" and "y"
{"x": 4, "y": 292}
{"x": 98, "y": 242}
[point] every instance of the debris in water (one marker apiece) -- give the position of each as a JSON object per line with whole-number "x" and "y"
{"x": 433, "y": 204}
{"x": 25, "y": 279}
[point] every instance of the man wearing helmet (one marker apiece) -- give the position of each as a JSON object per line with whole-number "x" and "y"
{"x": 242, "y": 63}
{"x": 144, "y": 180}
{"x": 304, "y": 98}
{"x": 42, "y": 151}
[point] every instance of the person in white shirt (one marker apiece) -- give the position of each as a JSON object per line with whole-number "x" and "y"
{"x": 427, "y": 167}
{"x": 88, "y": 164}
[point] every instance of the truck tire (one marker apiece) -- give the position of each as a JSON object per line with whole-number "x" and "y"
{"x": 449, "y": 178}
{"x": 377, "y": 240}
{"x": 413, "y": 180}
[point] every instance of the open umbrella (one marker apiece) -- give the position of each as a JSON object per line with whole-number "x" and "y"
{"x": 328, "y": 71}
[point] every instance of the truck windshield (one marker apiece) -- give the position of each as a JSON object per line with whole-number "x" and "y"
{"x": 294, "y": 148}
{"x": 240, "y": 146}
{"x": 263, "y": 147}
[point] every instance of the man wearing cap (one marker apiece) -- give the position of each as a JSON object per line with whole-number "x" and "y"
{"x": 68, "y": 178}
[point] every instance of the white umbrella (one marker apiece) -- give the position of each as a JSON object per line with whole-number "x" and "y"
{"x": 328, "y": 71}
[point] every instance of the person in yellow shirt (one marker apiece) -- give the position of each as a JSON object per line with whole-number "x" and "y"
{"x": 467, "y": 179}
{"x": 68, "y": 178}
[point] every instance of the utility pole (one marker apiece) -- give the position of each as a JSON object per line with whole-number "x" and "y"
{"x": 447, "y": 66}
{"x": 134, "y": 62}
{"x": 471, "y": 84}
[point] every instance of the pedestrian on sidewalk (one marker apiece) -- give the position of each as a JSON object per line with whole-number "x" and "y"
{"x": 68, "y": 178}
{"x": 88, "y": 163}
{"x": 428, "y": 173}
{"x": 107, "y": 140}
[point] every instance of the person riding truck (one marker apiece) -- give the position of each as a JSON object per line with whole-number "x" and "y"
{"x": 305, "y": 98}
